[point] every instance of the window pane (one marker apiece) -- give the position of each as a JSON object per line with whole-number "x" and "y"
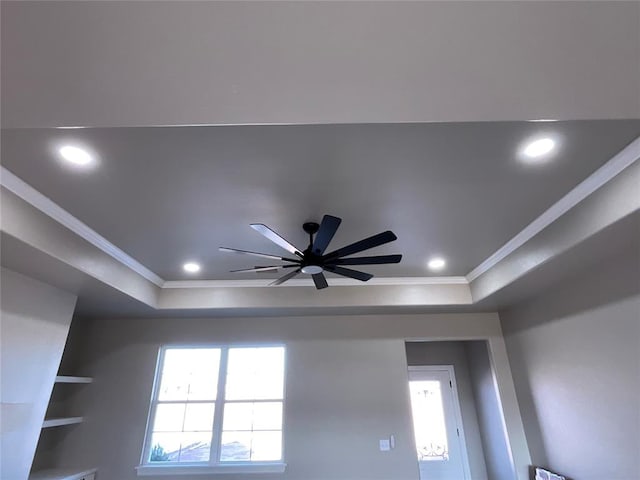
{"x": 199, "y": 417}
{"x": 255, "y": 373}
{"x": 266, "y": 446}
{"x": 169, "y": 417}
{"x": 238, "y": 416}
{"x": 252, "y": 416}
{"x": 267, "y": 416}
{"x": 165, "y": 447}
{"x": 236, "y": 446}
{"x": 428, "y": 420}
{"x": 189, "y": 374}
{"x": 180, "y": 447}
{"x": 195, "y": 447}
{"x": 251, "y": 446}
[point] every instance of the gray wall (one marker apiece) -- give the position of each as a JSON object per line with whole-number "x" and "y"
{"x": 453, "y": 353}
{"x": 346, "y": 388}
{"x": 490, "y": 415}
{"x": 575, "y": 357}
{"x": 35, "y": 323}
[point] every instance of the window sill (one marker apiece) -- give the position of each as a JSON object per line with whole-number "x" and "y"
{"x": 149, "y": 470}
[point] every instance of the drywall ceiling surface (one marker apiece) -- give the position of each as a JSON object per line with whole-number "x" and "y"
{"x": 619, "y": 242}
{"x": 178, "y": 63}
{"x": 173, "y": 194}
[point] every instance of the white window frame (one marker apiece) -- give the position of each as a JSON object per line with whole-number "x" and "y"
{"x": 214, "y": 465}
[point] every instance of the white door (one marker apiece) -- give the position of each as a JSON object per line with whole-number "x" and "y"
{"x": 436, "y": 424}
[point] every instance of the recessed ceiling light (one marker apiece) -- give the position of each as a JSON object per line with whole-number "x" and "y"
{"x": 191, "y": 267}
{"x": 76, "y": 155}
{"x": 436, "y": 263}
{"x": 539, "y": 147}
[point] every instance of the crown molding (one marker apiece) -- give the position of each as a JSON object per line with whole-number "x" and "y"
{"x": 33, "y": 197}
{"x": 307, "y": 282}
{"x": 626, "y": 157}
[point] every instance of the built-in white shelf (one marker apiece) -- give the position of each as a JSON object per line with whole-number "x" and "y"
{"x": 58, "y": 422}
{"x": 63, "y": 474}
{"x": 70, "y": 379}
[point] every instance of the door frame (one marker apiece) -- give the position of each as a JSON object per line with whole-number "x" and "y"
{"x": 457, "y": 412}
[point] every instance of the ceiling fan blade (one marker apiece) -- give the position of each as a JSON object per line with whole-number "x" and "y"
{"x": 275, "y": 238}
{"x": 320, "y": 280}
{"x": 264, "y": 269}
{"x": 327, "y": 230}
{"x": 378, "y": 260}
{"x": 366, "y": 244}
{"x": 347, "y": 272}
{"x": 256, "y": 254}
{"x": 286, "y": 277}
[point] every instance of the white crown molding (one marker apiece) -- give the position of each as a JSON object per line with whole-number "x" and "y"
{"x": 307, "y": 282}
{"x": 33, "y": 197}
{"x": 625, "y": 158}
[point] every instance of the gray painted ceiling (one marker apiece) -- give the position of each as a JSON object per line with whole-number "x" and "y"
{"x": 166, "y": 195}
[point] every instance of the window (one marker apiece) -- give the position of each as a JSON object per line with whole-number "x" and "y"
{"x": 428, "y": 420}
{"x": 216, "y": 408}
{"x": 437, "y": 423}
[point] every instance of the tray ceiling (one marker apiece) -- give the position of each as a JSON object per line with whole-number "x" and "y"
{"x": 165, "y": 195}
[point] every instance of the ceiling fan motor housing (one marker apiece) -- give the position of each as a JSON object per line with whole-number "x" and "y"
{"x": 311, "y": 269}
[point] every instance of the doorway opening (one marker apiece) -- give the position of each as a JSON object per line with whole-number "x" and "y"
{"x": 456, "y": 410}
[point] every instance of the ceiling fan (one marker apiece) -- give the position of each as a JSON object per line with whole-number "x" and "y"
{"x": 313, "y": 261}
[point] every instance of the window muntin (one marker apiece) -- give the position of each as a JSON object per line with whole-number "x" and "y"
{"x": 245, "y": 383}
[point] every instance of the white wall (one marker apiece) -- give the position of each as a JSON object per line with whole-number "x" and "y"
{"x": 34, "y": 326}
{"x": 575, "y": 357}
{"x": 453, "y": 353}
{"x": 346, "y": 387}
{"x": 168, "y": 63}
